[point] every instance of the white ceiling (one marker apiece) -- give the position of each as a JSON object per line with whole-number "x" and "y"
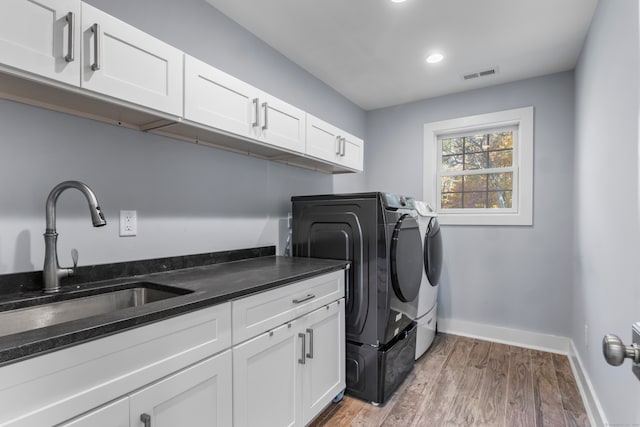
{"x": 373, "y": 51}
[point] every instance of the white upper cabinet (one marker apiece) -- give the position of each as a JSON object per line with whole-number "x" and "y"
{"x": 68, "y": 56}
{"x": 327, "y": 142}
{"x": 42, "y": 37}
{"x": 282, "y": 124}
{"x": 214, "y": 98}
{"x": 123, "y": 62}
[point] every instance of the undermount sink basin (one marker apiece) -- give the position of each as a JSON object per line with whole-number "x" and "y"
{"x": 67, "y": 306}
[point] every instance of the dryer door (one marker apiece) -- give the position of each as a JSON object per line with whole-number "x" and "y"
{"x": 433, "y": 252}
{"x": 406, "y": 258}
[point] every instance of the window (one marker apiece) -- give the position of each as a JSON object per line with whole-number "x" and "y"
{"x": 479, "y": 169}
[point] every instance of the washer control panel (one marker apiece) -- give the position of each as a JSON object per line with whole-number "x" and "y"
{"x": 397, "y": 201}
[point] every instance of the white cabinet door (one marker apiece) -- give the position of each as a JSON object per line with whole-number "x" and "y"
{"x": 42, "y": 37}
{"x": 352, "y": 152}
{"x": 216, "y": 99}
{"x": 282, "y": 124}
{"x": 266, "y": 379}
{"x": 123, "y": 62}
{"x": 324, "y": 371}
{"x": 327, "y": 142}
{"x": 323, "y": 140}
{"x": 115, "y": 414}
{"x": 197, "y": 396}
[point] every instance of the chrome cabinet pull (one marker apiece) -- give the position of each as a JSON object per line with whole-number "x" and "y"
{"x": 307, "y": 298}
{"x": 95, "y": 29}
{"x": 146, "y": 420}
{"x": 338, "y": 142}
{"x": 344, "y": 146}
{"x": 265, "y": 126}
{"x": 310, "y": 332}
{"x": 71, "y": 44}
{"x": 256, "y": 110}
{"x": 302, "y": 360}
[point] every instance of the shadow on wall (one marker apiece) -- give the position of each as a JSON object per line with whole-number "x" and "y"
{"x": 22, "y": 258}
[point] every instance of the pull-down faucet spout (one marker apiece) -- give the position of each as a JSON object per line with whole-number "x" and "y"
{"x": 52, "y": 273}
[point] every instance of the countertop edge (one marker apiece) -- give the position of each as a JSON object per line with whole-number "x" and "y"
{"x": 19, "y": 347}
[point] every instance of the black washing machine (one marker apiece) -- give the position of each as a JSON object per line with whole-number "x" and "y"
{"x": 379, "y": 234}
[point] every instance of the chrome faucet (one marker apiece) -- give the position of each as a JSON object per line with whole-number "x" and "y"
{"x": 52, "y": 273}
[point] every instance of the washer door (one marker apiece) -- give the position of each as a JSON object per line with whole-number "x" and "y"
{"x": 433, "y": 252}
{"x": 406, "y": 258}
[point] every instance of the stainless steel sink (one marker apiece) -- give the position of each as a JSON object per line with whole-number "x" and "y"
{"x": 76, "y": 305}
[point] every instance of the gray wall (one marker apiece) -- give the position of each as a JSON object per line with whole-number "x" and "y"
{"x": 607, "y": 285}
{"x": 515, "y": 277}
{"x": 189, "y": 198}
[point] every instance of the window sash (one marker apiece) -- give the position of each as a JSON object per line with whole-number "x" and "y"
{"x": 483, "y": 129}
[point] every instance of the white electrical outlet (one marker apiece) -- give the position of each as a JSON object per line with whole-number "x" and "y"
{"x": 128, "y": 223}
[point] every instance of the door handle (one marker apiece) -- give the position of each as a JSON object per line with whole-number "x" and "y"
{"x": 615, "y": 351}
{"x": 310, "y": 332}
{"x": 71, "y": 44}
{"x": 95, "y": 29}
{"x": 302, "y": 360}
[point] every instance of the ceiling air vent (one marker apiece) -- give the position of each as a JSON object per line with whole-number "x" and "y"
{"x": 483, "y": 73}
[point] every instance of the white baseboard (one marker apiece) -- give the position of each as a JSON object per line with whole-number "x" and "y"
{"x": 536, "y": 341}
{"x": 589, "y": 397}
{"x": 517, "y": 337}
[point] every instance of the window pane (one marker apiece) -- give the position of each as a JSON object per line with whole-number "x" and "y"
{"x": 500, "y": 159}
{"x": 452, "y": 163}
{"x": 474, "y": 199}
{"x": 450, "y": 184}
{"x": 475, "y": 161}
{"x": 501, "y": 181}
{"x": 451, "y": 200}
{"x": 500, "y": 199}
{"x": 501, "y": 140}
{"x": 475, "y": 183}
{"x": 475, "y": 144}
{"x": 452, "y": 146}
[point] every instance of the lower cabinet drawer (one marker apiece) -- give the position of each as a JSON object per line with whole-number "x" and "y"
{"x": 256, "y": 314}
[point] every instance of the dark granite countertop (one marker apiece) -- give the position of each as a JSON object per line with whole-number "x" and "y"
{"x": 211, "y": 284}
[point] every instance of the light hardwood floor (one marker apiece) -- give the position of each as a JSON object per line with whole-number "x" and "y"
{"x": 467, "y": 382}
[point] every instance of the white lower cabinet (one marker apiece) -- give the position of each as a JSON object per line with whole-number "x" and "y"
{"x": 198, "y": 395}
{"x": 279, "y": 365}
{"x": 286, "y": 376}
{"x": 265, "y": 379}
{"x": 324, "y": 370}
{"x": 114, "y": 414}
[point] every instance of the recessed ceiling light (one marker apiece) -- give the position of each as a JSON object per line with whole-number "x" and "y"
{"x": 434, "y": 58}
{"x": 398, "y": 1}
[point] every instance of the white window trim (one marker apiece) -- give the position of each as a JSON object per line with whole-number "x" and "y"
{"x": 520, "y": 117}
